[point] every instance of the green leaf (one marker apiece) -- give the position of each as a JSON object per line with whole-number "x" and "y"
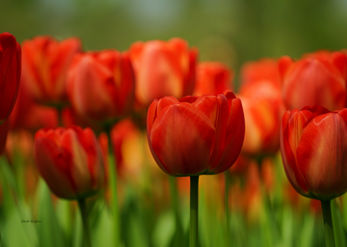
{"x": 340, "y": 240}
{"x": 50, "y": 232}
{"x": 164, "y": 229}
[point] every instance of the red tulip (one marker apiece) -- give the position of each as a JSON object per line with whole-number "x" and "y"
{"x": 45, "y": 65}
{"x": 29, "y": 115}
{"x": 10, "y": 70}
{"x": 263, "y": 109}
{"x": 163, "y": 69}
{"x": 316, "y": 79}
{"x": 101, "y": 85}
{"x": 212, "y": 78}
{"x": 195, "y": 135}
{"x": 314, "y": 147}
{"x": 70, "y": 161}
{"x": 263, "y": 70}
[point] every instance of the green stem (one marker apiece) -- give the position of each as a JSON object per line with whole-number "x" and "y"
{"x": 114, "y": 191}
{"x": 328, "y": 224}
{"x": 84, "y": 215}
{"x": 226, "y": 201}
{"x": 176, "y": 211}
{"x": 194, "y": 200}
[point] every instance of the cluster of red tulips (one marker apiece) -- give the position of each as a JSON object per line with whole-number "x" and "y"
{"x": 84, "y": 105}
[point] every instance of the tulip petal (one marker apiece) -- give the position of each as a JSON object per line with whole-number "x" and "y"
{"x": 172, "y": 139}
{"x": 321, "y": 155}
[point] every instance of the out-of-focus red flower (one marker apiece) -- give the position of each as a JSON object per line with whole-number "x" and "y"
{"x": 70, "y": 161}
{"x": 101, "y": 85}
{"x": 263, "y": 70}
{"x": 29, "y": 115}
{"x": 212, "y": 78}
{"x": 316, "y": 79}
{"x": 45, "y": 65}
{"x": 314, "y": 147}
{"x": 195, "y": 135}
{"x": 260, "y": 93}
{"x": 127, "y": 145}
{"x": 3, "y": 135}
{"x": 263, "y": 108}
{"x": 262, "y": 120}
{"x": 126, "y": 142}
{"x": 10, "y": 71}
{"x": 163, "y": 69}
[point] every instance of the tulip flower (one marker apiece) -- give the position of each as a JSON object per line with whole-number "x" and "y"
{"x": 263, "y": 70}
{"x": 314, "y": 147}
{"x": 163, "y": 69}
{"x": 10, "y": 71}
{"x": 45, "y": 65}
{"x": 263, "y": 109}
{"x": 212, "y": 78}
{"x": 29, "y": 115}
{"x": 195, "y": 135}
{"x": 70, "y": 161}
{"x": 101, "y": 85}
{"x": 316, "y": 79}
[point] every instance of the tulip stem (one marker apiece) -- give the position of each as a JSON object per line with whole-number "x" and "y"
{"x": 328, "y": 225}
{"x": 194, "y": 200}
{"x": 114, "y": 191}
{"x": 84, "y": 215}
{"x": 226, "y": 201}
{"x": 176, "y": 211}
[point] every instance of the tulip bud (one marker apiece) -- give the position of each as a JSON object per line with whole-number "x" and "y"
{"x": 101, "y": 85}
{"x": 45, "y": 65}
{"x": 10, "y": 70}
{"x": 316, "y": 79}
{"x": 195, "y": 135}
{"x": 163, "y": 69}
{"x": 212, "y": 78}
{"x": 70, "y": 161}
{"x": 314, "y": 147}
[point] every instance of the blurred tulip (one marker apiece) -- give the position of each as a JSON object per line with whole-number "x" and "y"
{"x": 45, "y": 64}
{"x": 263, "y": 109}
{"x": 126, "y": 142}
{"x": 127, "y": 148}
{"x": 212, "y": 78}
{"x": 101, "y": 85}
{"x": 263, "y": 70}
{"x": 195, "y": 135}
{"x": 314, "y": 147}
{"x": 10, "y": 71}
{"x": 29, "y": 115}
{"x": 262, "y": 122}
{"x": 163, "y": 69}
{"x": 316, "y": 79}
{"x": 70, "y": 161}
